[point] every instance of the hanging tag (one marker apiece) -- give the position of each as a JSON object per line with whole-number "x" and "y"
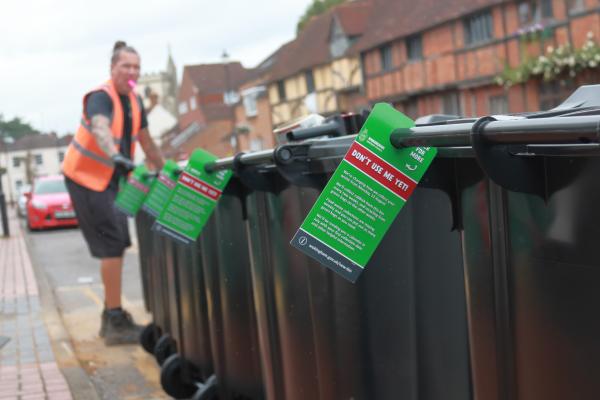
{"x": 133, "y": 191}
{"x": 160, "y": 190}
{"x": 364, "y": 196}
{"x": 193, "y": 199}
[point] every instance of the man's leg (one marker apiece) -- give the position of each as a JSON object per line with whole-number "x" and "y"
{"x": 117, "y": 325}
{"x": 111, "y": 270}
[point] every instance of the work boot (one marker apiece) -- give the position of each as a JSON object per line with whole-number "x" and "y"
{"x": 120, "y": 328}
{"x": 103, "y": 322}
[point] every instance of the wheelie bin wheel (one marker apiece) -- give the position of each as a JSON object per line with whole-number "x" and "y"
{"x": 172, "y": 378}
{"x": 208, "y": 390}
{"x": 149, "y": 336}
{"x": 165, "y": 346}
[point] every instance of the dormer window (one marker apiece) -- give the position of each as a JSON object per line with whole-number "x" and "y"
{"x": 338, "y": 41}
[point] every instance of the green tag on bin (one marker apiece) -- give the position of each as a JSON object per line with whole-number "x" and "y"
{"x": 133, "y": 191}
{"x": 364, "y": 196}
{"x": 193, "y": 199}
{"x": 160, "y": 190}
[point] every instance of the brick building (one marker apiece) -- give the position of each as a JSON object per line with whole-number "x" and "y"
{"x": 316, "y": 72}
{"x": 206, "y": 99}
{"x": 429, "y": 57}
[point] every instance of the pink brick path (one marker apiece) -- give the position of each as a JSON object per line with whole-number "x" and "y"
{"x": 28, "y": 370}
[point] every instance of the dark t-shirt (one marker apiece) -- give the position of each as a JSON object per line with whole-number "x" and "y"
{"x": 99, "y": 103}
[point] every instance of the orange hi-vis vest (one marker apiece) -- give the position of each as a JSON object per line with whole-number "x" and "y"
{"x": 84, "y": 162}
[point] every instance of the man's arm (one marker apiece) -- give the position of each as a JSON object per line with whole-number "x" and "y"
{"x": 103, "y": 135}
{"x": 150, "y": 149}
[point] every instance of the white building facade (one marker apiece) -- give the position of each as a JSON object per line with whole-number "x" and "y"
{"x": 28, "y": 158}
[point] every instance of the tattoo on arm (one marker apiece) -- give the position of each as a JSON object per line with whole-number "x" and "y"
{"x": 151, "y": 150}
{"x": 103, "y": 135}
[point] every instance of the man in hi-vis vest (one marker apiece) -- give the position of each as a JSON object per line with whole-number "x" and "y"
{"x": 100, "y": 154}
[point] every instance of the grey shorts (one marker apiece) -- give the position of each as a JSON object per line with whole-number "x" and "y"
{"x": 104, "y": 228}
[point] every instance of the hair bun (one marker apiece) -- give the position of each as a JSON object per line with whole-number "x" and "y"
{"x": 118, "y": 45}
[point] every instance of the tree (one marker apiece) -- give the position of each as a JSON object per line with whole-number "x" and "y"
{"x": 317, "y": 7}
{"x": 15, "y": 128}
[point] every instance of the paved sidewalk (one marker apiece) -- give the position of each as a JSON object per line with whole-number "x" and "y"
{"x": 28, "y": 368}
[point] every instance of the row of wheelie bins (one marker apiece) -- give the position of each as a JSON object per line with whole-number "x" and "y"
{"x": 477, "y": 291}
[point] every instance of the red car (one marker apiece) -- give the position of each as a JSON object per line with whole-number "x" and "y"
{"x": 49, "y": 204}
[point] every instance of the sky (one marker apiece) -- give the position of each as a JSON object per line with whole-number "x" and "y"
{"x": 52, "y": 52}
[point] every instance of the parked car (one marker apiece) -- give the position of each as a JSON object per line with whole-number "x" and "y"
{"x": 22, "y": 200}
{"x": 49, "y": 204}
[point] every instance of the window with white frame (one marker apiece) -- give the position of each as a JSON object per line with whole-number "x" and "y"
{"x": 183, "y": 108}
{"x": 231, "y": 97}
{"x": 256, "y": 144}
{"x": 250, "y": 98}
{"x": 39, "y": 160}
{"x": 193, "y": 103}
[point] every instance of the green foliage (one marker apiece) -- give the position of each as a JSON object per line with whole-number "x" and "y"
{"x": 563, "y": 60}
{"x": 317, "y": 7}
{"x": 15, "y": 128}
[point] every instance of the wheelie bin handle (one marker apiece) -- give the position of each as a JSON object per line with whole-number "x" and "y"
{"x": 553, "y": 130}
{"x": 329, "y": 128}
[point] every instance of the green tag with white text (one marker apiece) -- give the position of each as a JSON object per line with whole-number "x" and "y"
{"x": 160, "y": 190}
{"x": 133, "y": 191}
{"x": 193, "y": 199}
{"x": 364, "y": 195}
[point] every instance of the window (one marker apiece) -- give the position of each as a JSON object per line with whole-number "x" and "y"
{"x": 61, "y": 156}
{"x": 414, "y": 48}
{"x": 554, "y": 92}
{"x": 534, "y": 11}
{"x": 231, "y": 97}
{"x": 281, "y": 90}
{"x": 183, "y": 107}
{"x": 409, "y": 108}
{"x": 575, "y": 6}
{"x": 18, "y": 184}
{"x": 498, "y": 105}
{"x": 310, "y": 81}
{"x": 250, "y": 98}
{"x": 38, "y": 159}
{"x": 256, "y": 144}
{"x": 451, "y": 104}
{"x": 192, "y": 103}
{"x": 478, "y": 28}
{"x": 16, "y": 162}
{"x": 385, "y": 53}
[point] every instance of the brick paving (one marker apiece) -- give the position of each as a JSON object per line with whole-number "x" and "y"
{"x": 28, "y": 369}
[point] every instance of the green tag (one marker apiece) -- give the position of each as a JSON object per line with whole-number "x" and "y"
{"x": 132, "y": 191}
{"x": 193, "y": 199}
{"x": 161, "y": 189}
{"x": 364, "y": 196}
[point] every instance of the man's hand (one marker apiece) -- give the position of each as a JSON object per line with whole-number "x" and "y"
{"x": 123, "y": 164}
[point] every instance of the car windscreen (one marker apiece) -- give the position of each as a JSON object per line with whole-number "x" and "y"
{"x": 50, "y": 186}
